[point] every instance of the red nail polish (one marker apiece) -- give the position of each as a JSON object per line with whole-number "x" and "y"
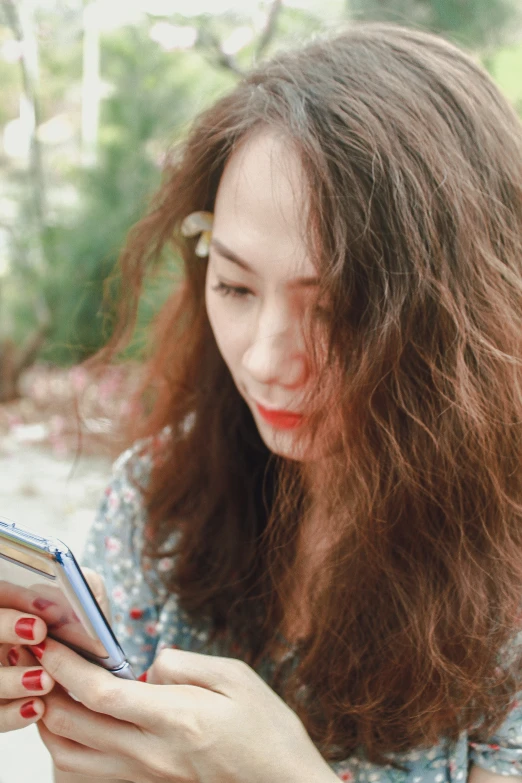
{"x": 54, "y": 627}
{"x": 28, "y": 711}
{"x": 24, "y": 628}
{"x": 42, "y": 603}
{"x": 143, "y": 677}
{"x": 13, "y": 656}
{"x": 33, "y": 680}
{"x": 37, "y": 649}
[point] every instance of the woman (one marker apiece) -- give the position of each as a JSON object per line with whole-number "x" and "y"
{"x": 327, "y": 485}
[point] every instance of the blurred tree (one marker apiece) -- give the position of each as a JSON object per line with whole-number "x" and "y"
{"x": 10, "y": 78}
{"x": 156, "y": 74}
{"x": 14, "y": 359}
{"x": 212, "y": 34}
{"x": 475, "y": 23}
{"x": 152, "y": 97}
{"x": 153, "y": 92}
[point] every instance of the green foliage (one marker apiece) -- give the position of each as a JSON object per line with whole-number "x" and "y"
{"x": 475, "y": 23}
{"x": 10, "y": 81}
{"x": 153, "y": 97}
{"x": 296, "y": 26}
{"x": 505, "y": 66}
{"x": 61, "y": 62}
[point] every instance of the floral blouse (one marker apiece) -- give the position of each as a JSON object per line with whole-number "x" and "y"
{"x": 147, "y": 619}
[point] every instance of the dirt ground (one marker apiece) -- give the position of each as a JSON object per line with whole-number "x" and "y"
{"x": 46, "y": 486}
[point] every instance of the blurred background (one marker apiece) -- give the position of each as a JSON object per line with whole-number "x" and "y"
{"x": 92, "y": 95}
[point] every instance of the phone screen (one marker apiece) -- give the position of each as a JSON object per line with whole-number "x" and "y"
{"x": 32, "y": 584}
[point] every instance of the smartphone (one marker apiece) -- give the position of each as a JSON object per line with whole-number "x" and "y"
{"x": 40, "y": 576}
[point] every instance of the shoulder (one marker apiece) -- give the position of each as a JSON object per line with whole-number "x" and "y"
{"x": 134, "y": 466}
{"x": 131, "y": 472}
{"x": 122, "y": 511}
{"x": 115, "y": 542}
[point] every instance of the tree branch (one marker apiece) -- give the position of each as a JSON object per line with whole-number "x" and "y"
{"x": 270, "y": 28}
{"x": 14, "y": 19}
{"x": 209, "y": 41}
{"x": 14, "y": 359}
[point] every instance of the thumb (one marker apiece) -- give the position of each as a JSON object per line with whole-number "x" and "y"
{"x": 97, "y": 585}
{"x": 181, "y": 667}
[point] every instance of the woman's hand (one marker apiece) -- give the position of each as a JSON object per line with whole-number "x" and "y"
{"x": 99, "y": 590}
{"x": 22, "y": 681}
{"x": 198, "y": 719}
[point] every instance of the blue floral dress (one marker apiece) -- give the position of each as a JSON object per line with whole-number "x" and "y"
{"x": 147, "y": 619}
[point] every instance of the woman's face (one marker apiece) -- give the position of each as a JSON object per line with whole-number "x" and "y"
{"x": 261, "y": 285}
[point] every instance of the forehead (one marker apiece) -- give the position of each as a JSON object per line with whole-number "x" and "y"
{"x": 262, "y": 204}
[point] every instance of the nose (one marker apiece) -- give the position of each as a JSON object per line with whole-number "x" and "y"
{"x": 275, "y": 355}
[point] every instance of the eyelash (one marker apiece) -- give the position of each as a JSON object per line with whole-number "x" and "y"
{"x": 239, "y": 292}
{"x": 230, "y": 290}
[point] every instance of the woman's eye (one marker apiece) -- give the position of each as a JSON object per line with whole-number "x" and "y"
{"x": 230, "y": 290}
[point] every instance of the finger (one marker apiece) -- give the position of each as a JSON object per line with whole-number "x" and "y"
{"x": 18, "y": 682}
{"x": 96, "y": 688}
{"x": 25, "y": 657}
{"x": 18, "y": 628}
{"x": 17, "y": 714}
{"x": 70, "y": 719}
{"x": 101, "y": 692}
{"x": 69, "y": 756}
{"x": 4, "y": 649}
{"x": 222, "y": 675}
{"x": 99, "y": 590}
{"x": 16, "y": 655}
{"x": 31, "y": 601}
{"x": 72, "y": 633}
{"x": 49, "y": 603}
{"x": 15, "y": 597}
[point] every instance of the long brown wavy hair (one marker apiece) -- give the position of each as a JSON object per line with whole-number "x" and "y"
{"x": 413, "y": 161}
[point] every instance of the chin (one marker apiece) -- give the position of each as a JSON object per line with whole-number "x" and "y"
{"x": 287, "y": 445}
{"x": 280, "y": 442}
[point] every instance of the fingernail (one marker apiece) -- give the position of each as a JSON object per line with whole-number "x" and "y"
{"x": 37, "y": 649}
{"x": 12, "y": 656}
{"x": 42, "y": 603}
{"x": 33, "y": 680}
{"x": 24, "y": 628}
{"x": 143, "y": 677}
{"x": 58, "y": 624}
{"x": 28, "y": 711}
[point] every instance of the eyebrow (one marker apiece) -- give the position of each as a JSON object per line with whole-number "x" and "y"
{"x": 235, "y": 259}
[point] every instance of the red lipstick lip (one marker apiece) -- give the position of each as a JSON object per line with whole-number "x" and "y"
{"x": 283, "y": 420}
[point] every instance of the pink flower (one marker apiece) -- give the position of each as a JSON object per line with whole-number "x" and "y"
{"x": 79, "y": 378}
{"x": 112, "y": 545}
{"x": 118, "y": 594}
{"x": 165, "y": 564}
{"x": 114, "y": 501}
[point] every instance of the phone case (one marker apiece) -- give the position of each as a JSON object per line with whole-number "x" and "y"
{"x": 41, "y": 576}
